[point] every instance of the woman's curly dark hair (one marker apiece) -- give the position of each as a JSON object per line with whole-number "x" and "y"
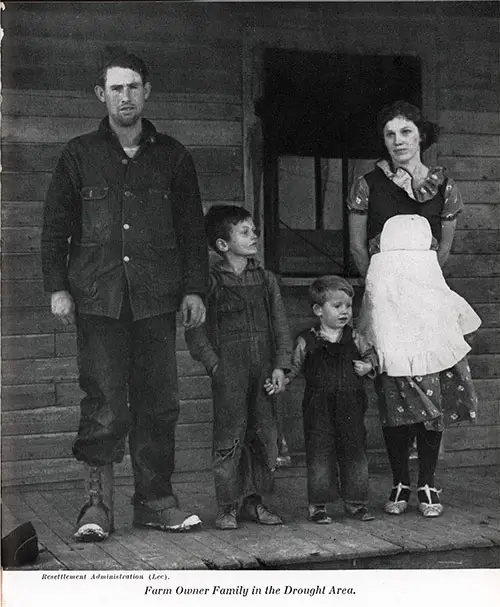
{"x": 429, "y": 131}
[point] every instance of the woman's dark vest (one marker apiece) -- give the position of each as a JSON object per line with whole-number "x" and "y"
{"x": 387, "y": 199}
{"x": 329, "y": 366}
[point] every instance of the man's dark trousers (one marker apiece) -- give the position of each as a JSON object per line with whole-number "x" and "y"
{"x": 123, "y": 360}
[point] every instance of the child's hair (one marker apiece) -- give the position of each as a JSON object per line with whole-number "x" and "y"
{"x": 219, "y": 220}
{"x": 322, "y": 287}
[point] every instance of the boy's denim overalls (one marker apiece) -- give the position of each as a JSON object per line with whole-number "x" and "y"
{"x": 247, "y": 331}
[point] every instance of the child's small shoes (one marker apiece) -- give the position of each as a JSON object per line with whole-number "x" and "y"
{"x": 319, "y": 515}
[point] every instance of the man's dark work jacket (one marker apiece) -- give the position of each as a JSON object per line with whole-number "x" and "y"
{"x": 129, "y": 224}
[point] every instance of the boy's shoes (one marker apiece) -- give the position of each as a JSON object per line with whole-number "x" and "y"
{"x": 398, "y": 500}
{"x": 254, "y": 510}
{"x": 318, "y": 514}
{"x": 360, "y": 514}
{"x": 429, "y": 502}
{"x": 157, "y": 516}
{"x": 227, "y": 518}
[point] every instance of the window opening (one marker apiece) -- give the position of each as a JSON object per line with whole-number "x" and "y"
{"x": 318, "y": 115}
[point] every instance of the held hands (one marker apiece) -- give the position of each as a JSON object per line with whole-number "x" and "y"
{"x": 276, "y": 383}
{"x": 63, "y": 307}
{"x": 362, "y": 367}
{"x": 193, "y": 311}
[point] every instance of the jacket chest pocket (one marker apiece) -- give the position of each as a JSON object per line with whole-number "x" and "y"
{"x": 157, "y": 214}
{"x": 96, "y": 215}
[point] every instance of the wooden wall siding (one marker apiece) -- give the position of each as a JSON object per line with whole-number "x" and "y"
{"x": 198, "y": 73}
{"x": 470, "y": 149}
{"x": 189, "y": 50}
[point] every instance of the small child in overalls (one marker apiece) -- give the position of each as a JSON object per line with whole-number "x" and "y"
{"x": 244, "y": 342}
{"x": 334, "y": 358}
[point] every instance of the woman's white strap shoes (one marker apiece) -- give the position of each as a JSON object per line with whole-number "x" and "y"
{"x": 396, "y": 505}
{"x": 428, "y": 508}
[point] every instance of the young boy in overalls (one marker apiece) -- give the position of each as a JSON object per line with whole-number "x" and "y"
{"x": 244, "y": 342}
{"x": 334, "y": 358}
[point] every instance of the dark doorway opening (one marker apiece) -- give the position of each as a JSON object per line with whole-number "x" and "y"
{"x": 318, "y": 117}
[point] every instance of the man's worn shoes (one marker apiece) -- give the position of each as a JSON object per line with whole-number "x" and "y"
{"x": 156, "y": 515}
{"x": 93, "y": 524}
{"x": 95, "y": 521}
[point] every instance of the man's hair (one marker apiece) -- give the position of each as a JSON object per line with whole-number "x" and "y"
{"x": 118, "y": 56}
{"x": 429, "y": 131}
{"x": 219, "y": 221}
{"x": 323, "y": 287}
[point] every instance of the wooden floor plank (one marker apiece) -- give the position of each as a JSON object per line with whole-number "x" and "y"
{"x": 45, "y": 560}
{"x": 469, "y": 522}
{"x": 93, "y": 552}
{"x": 123, "y": 502}
{"x": 381, "y": 528}
{"x": 122, "y": 535}
{"x": 217, "y": 540}
{"x": 66, "y": 504}
{"x": 164, "y": 554}
{"x": 434, "y": 533}
{"x": 345, "y": 543}
{"x": 9, "y": 520}
{"x": 339, "y": 536}
{"x": 201, "y": 499}
{"x": 285, "y": 547}
{"x": 71, "y": 558}
{"x": 164, "y": 551}
{"x": 276, "y": 545}
{"x": 210, "y": 555}
{"x": 473, "y": 526}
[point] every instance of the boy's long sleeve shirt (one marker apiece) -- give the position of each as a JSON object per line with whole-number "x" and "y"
{"x": 200, "y": 340}
{"x": 366, "y": 352}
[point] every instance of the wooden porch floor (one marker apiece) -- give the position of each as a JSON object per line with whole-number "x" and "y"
{"x": 466, "y": 536}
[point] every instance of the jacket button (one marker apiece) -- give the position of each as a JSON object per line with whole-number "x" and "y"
{"x": 124, "y": 161}
{"x": 126, "y": 226}
{"x": 127, "y": 193}
{"x": 126, "y": 258}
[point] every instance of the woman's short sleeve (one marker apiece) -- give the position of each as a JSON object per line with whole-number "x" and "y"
{"x": 453, "y": 203}
{"x": 358, "y": 198}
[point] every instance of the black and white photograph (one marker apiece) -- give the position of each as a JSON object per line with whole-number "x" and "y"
{"x": 250, "y": 296}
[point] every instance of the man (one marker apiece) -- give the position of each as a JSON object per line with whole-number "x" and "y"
{"x": 124, "y": 203}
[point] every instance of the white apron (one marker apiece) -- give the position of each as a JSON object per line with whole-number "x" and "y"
{"x": 415, "y": 322}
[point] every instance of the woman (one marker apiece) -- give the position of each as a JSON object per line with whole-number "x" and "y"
{"x": 414, "y": 392}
